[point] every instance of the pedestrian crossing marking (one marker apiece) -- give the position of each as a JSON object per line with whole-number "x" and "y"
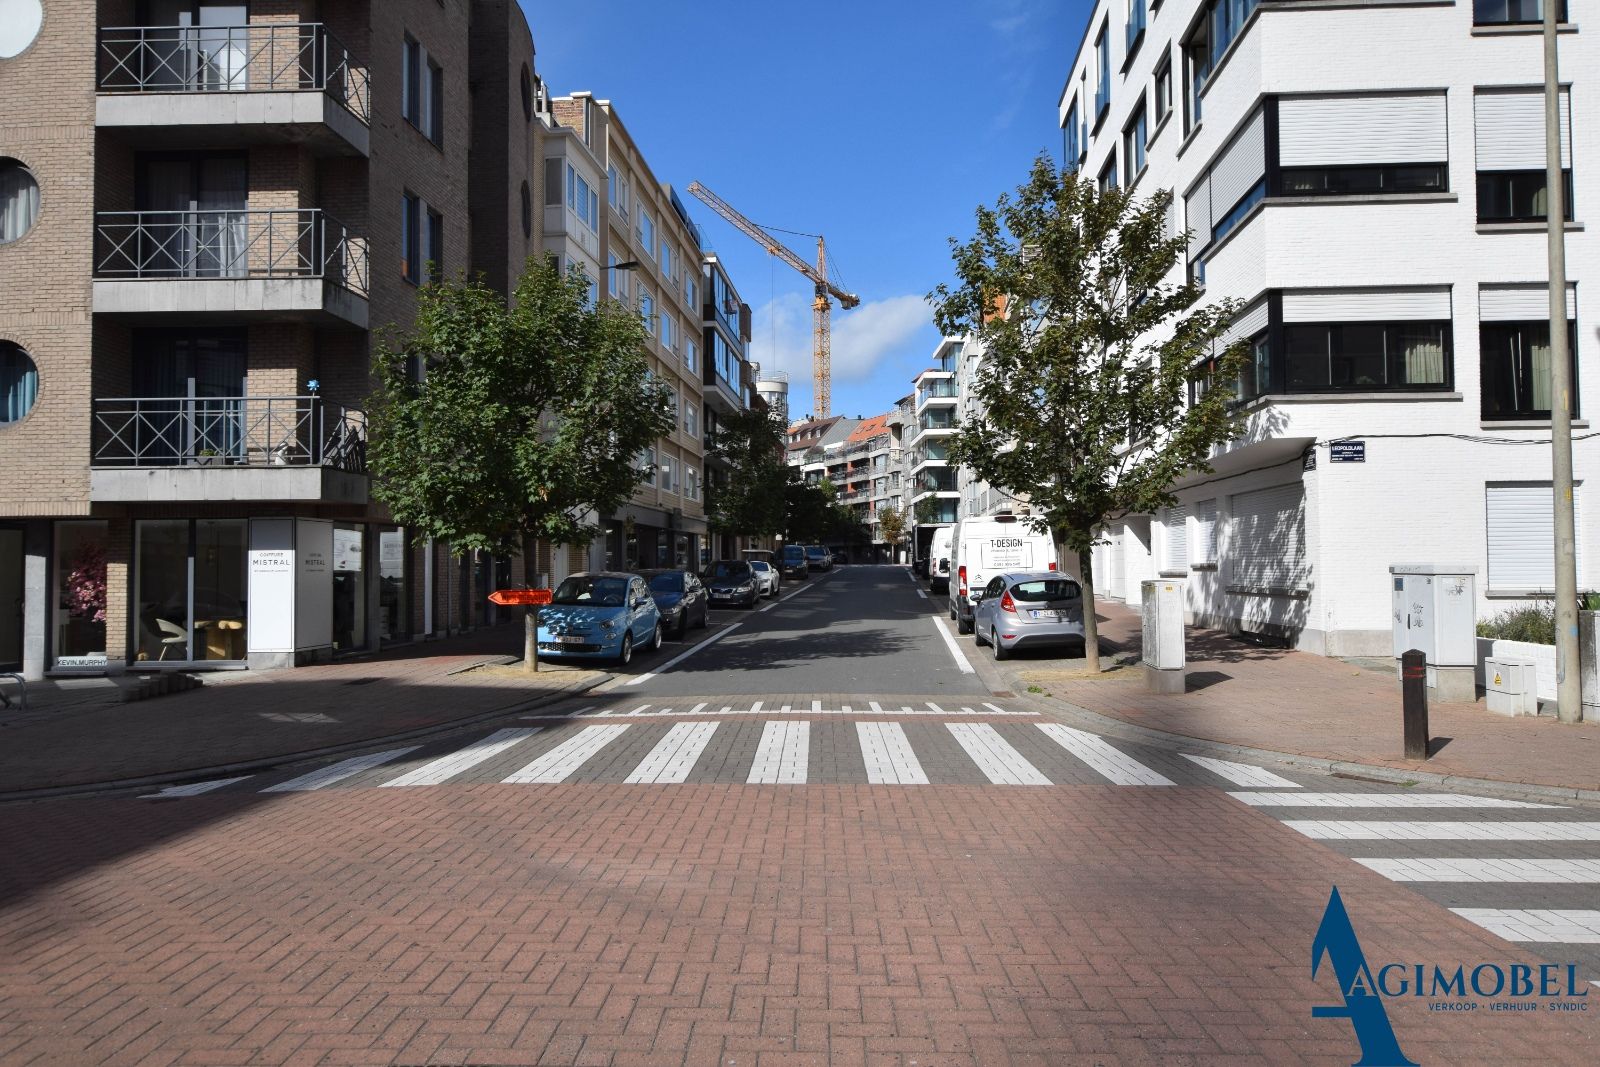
{"x": 675, "y": 754}
{"x": 1002, "y": 764}
{"x": 562, "y": 761}
{"x": 1378, "y": 800}
{"x": 448, "y": 766}
{"x": 1397, "y": 830}
{"x": 783, "y": 754}
{"x": 191, "y": 789}
{"x": 1108, "y": 762}
{"x": 1242, "y": 773}
{"x": 323, "y": 777}
{"x": 1558, "y": 871}
{"x": 649, "y": 711}
{"x": 1540, "y": 925}
{"x": 887, "y": 753}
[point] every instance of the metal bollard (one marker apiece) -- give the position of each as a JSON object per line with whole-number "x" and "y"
{"x": 1414, "y": 697}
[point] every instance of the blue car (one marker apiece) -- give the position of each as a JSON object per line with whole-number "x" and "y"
{"x": 600, "y": 615}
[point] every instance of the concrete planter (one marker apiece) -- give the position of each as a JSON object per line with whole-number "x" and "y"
{"x": 1543, "y": 656}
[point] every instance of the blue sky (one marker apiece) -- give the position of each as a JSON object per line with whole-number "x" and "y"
{"x": 880, "y": 124}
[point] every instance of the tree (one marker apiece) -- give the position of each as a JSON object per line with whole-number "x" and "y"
{"x": 893, "y": 523}
{"x": 808, "y": 509}
{"x": 752, "y": 502}
{"x": 1090, "y": 349}
{"x": 525, "y": 422}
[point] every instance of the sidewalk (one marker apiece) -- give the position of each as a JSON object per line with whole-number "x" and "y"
{"x": 1308, "y": 705}
{"x": 84, "y": 735}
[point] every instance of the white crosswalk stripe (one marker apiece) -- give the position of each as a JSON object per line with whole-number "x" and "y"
{"x": 1549, "y": 926}
{"x": 452, "y": 764}
{"x": 563, "y": 760}
{"x": 1108, "y": 762}
{"x": 323, "y": 777}
{"x": 1505, "y": 870}
{"x": 1378, "y": 800}
{"x": 1002, "y": 764}
{"x": 675, "y": 754}
{"x": 1396, "y": 830}
{"x": 192, "y": 789}
{"x": 887, "y": 753}
{"x": 1242, "y": 773}
{"x": 782, "y": 755}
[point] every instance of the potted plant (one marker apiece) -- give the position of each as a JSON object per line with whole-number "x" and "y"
{"x": 206, "y": 456}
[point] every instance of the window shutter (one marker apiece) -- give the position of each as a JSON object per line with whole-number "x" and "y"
{"x": 1520, "y": 303}
{"x": 1354, "y": 130}
{"x": 1176, "y": 525}
{"x": 1197, "y": 208}
{"x": 1509, "y": 129}
{"x": 1239, "y": 168}
{"x": 1521, "y": 537}
{"x": 1250, "y": 321}
{"x": 1205, "y": 532}
{"x": 1267, "y": 538}
{"x": 1425, "y": 303}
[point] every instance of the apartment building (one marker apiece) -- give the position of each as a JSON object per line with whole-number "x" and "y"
{"x": 805, "y": 440}
{"x": 728, "y": 381}
{"x": 207, "y": 209}
{"x": 1369, "y": 180}
{"x": 933, "y": 490}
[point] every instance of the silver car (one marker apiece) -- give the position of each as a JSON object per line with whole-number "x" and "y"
{"x": 767, "y": 575}
{"x": 1029, "y": 609}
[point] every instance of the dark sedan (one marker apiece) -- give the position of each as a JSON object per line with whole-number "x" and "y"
{"x": 731, "y": 581}
{"x": 680, "y": 597}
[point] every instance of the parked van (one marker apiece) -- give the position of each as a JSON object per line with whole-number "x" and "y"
{"x": 939, "y": 560}
{"x": 989, "y": 545}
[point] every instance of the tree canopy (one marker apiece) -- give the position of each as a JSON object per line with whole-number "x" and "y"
{"x": 751, "y": 501}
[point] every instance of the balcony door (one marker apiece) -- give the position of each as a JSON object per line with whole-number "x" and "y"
{"x": 195, "y": 45}
{"x": 190, "y": 384}
{"x": 192, "y": 221}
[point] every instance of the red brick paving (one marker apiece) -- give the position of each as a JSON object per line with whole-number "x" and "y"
{"x": 1310, "y": 705}
{"x": 704, "y": 924}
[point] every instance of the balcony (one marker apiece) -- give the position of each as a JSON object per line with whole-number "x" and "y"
{"x": 155, "y": 449}
{"x": 286, "y": 83}
{"x": 295, "y": 265}
{"x": 941, "y": 391}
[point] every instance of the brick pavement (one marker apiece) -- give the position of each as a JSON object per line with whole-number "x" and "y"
{"x": 584, "y": 924}
{"x": 1310, "y": 705}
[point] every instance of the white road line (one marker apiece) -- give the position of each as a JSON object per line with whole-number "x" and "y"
{"x": 1396, "y": 830}
{"x": 323, "y": 777}
{"x": 1002, "y": 764}
{"x": 921, "y": 594}
{"x": 962, "y": 663}
{"x": 1539, "y": 925}
{"x": 675, "y": 754}
{"x": 1377, "y": 800}
{"x": 1111, "y": 764}
{"x": 452, "y": 764}
{"x": 1242, "y": 773}
{"x": 888, "y": 755}
{"x": 782, "y": 755}
{"x": 680, "y": 657}
{"x": 193, "y": 789}
{"x": 756, "y": 707}
{"x": 640, "y": 710}
{"x": 934, "y": 709}
{"x": 696, "y": 709}
{"x": 1565, "y": 872}
{"x": 816, "y": 705}
{"x": 564, "y": 760}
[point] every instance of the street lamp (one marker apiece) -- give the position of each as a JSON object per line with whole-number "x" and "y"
{"x": 630, "y": 264}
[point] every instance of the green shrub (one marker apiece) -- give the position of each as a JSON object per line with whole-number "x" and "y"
{"x": 1535, "y": 623}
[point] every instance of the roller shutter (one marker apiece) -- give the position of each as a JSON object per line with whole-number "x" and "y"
{"x": 1240, "y": 167}
{"x": 1205, "y": 532}
{"x": 1175, "y": 523}
{"x": 1509, "y": 129}
{"x": 1520, "y": 303}
{"x": 1249, "y": 322}
{"x": 1321, "y": 131}
{"x": 1197, "y": 209}
{"x": 1521, "y": 537}
{"x": 1428, "y": 303}
{"x": 1267, "y": 539}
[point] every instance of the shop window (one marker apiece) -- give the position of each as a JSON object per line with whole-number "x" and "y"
{"x": 349, "y": 588}
{"x": 394, "y": 617}
{"x": 189, "y": 590}
{"x": 80, "y": 595}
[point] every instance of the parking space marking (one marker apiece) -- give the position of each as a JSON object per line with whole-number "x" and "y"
{"x": 1242, "y": 773}
{"x": 1002, "y": 764}
{"x": 962, "y": 663}
{"x": 1378, "y": 800}
{"x": 1562, "y": 871}
{"x": 448, "y": 766}
{"x": 563, "y": 760}
{"x": 1111, "y": 764}
{"x": 675, "y": 754}
{"x": 888, "y": 755}
{"x": 1398, "y": 830}
{"x": 1575, "y": 927}
{"x": 680, "y": 657}
{"x": 782, "y": 755}
{"x": 323, "y": 777}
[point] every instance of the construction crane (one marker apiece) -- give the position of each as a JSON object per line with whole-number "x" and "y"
{"x": 821, "y": 307}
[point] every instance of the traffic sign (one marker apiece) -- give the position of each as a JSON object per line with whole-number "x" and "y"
{"x": 520, "y": 597}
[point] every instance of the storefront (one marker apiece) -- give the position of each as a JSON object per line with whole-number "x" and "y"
{"x": 190, "y": 601}
{"x": 78, "y": 601}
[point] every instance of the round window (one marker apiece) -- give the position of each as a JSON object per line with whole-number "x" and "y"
{"x": 19, "y": 200}
{"x": 19, "y": 383}
{"x": 19, "y": 25}
{"x": 527, "y": 211}
{"x": 527, "y": 92}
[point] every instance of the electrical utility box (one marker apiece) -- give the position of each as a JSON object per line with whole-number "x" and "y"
{"x": 1435, "y": 611}
{"x": 1164, "y": 655}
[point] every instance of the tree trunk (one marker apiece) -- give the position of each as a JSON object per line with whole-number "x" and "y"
{"x": 530, "y": 617}
{"x": 1091, "y": 627}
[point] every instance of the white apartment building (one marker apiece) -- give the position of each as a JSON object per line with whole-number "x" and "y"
{"x": 1369, "y": 178}
{"x": 932, "y": 489}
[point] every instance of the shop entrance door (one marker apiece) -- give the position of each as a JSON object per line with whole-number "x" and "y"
{"x": 11, "y": 599}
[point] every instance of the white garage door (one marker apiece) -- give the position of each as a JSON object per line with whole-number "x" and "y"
{"x": 1267, "y": 538}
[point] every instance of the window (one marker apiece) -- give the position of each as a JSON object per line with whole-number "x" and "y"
{"x": 691, "y": 483}
{"x": 691, "y": 355}
{"x": 647, "y": 234}
{"x": 691, "y": 290}
{"x": 665, "y": 472}
{"x": 1236, "y": 214}
{"x": 19, "y": 26}
{"x": 1108, "y": 173}
{"x": 1520, "y": 528}
{"x": 649, "y": 466}
{"x": 433, "y": 241}
{"x": 527, "y": 93}
{"x": 725, "y": 359}
{"x": 1071, "y": 148}
{"x": 1102, "y": 64}
{"x": 668, "y": 262}
{"x": 667, "y": 339}
{"x": 527, "y": 211}
{"x": 691, "y": 420}
{"x": 1175, "y": 523}
{"x": 1135, "y": 29}
{"x": 1512, "y": 12}
{"x": 1510, "y": 146}
{"x": 1163, "y": 92}
{"x": 619, "y": 191}
{"x": 1204, "y": 550}
{"x": 422, "y": 91}
{"x": 1364, "y": 180}
{"x": 611, "y": 274}
{"x": 19, "y": 200}
{"x": 647, "y": 311}
{"x": 1514, "y": 369}
{"x": 1366, "y": 356}
{"x": 1216, "y": 30}
{"x": 19, "y": 383}
{"x": 1133, "y": 142}
{"x": 410, "y": 249}
{"x": 1519, "y": 196}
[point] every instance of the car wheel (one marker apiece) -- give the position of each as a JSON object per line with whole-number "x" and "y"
{"x": 682, "y": 630}
{"x": 1000, "y": 651}
{"x": 625, "y": 656}
{"x": 953, "y": 614}
{"x": 977, "y": 636}
{"x": 655, "y": 639}
{"x": 963, "y": 626}
{"x": 705, "y": 616}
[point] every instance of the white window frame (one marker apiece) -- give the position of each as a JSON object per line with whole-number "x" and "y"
{"x": 647, "y": 309}
{"x": 691, "y": 420}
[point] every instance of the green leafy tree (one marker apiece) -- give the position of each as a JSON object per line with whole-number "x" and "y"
{"x": 1090, "y": 348}
{"x": 808, "y": 508}
{"x": 526, "y": 422}
{"x": 893, "y": 524}
{"x": 752, "y": 502}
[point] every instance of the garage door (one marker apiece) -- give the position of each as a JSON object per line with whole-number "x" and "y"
{"x": 1267, "y": 539}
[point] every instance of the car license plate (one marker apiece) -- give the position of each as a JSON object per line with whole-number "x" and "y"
{"x": 565, "y": 640}
{"x": 1043, "y": 613}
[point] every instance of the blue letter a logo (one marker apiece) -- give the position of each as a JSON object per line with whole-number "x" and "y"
{"x": 1363, "y": 1005}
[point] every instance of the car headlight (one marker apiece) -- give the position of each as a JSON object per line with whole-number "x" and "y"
{"x": 608, "y": 624}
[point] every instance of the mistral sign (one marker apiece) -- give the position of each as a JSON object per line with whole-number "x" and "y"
{"x": 1545, "y": 987}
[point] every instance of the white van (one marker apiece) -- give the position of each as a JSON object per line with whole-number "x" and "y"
{"x": 939, "y": 560}
{"x": 989, "y": 545}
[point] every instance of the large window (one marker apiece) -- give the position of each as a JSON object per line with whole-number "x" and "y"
{"x": 582, "y": 199}
{"x": 1359, "y": 180}
{"x": 1134, "y": 137}
{"x": 189, "y": 589}
{"x": 1102, "y": 64}
{"x": 1519, "y": 196}
{"x": 1072, "y": 146}
{"x": 1216, "y": 30}
{"x": 1136, "y": 22}
{"x": 1366, "y": 356}
{"x": 1512, "y": 12}
{"x": 1514, "y": 369}
{"x": 422, "y": 91}
{"x": 647, "y": 234}
{"x": 1509, "y": 142}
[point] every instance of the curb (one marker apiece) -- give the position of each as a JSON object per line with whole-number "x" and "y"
{"x": 284, "y": 759}
{"x": 1128, "y": 731}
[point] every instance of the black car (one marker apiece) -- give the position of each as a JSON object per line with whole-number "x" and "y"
{"x": 732, "y": 581}
{"x": 792, "y": 562}
{"x": 680, "y": 597}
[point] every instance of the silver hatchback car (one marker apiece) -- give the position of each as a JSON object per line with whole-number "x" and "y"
{"x": 1029, "y": 609}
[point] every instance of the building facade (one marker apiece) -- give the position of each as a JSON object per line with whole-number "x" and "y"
{"x": 1378, "y": 207}
{"x": 933, "y": 489}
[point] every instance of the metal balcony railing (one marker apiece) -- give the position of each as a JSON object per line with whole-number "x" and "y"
{"x": 288, "y": 243}
{"x": 262, "y": 57}
{"x": 236, "y": 431}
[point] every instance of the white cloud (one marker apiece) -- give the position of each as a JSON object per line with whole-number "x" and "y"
{"x": 863, "y": 338}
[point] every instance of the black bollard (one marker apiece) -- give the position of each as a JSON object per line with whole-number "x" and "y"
{"x": 1414, "y": 695}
